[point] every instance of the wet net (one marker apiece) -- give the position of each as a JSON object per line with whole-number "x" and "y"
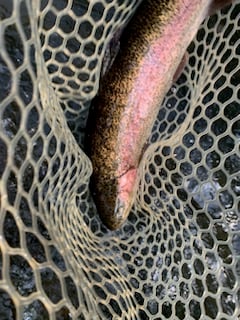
{"x": 178, "y": 254}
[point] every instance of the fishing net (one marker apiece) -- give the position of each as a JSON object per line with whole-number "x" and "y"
{"x": 178, "y": 254}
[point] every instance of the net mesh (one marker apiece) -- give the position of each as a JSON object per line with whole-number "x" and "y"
{"x": 178, "y": 255}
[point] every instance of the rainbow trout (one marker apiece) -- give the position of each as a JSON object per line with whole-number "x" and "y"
{"x": 152, "y": 48}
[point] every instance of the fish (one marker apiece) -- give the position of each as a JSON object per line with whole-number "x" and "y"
{"x": 151, "y": 56}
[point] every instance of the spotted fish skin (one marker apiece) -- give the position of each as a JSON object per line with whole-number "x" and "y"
{"x": 129, "y": 96}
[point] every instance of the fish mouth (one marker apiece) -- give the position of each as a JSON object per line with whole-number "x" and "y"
{"x": 113, "y": 215}
{"x": 122, "y": 209}
{"x": 127, "y": 187}
{"x": 115, "y": 199}
{"x": 121, "y": 212}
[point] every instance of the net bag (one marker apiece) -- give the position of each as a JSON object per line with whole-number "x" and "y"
{"x": 178, "y": 254}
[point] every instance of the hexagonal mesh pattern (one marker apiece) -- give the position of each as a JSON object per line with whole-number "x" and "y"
{"x": 177, "y": 256}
